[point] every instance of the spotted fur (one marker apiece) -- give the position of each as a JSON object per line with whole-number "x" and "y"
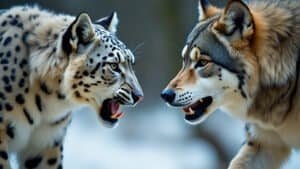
{"x": 50, "y": 64}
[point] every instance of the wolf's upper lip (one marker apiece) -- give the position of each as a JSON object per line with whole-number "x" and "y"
{"x": 197, "y": 109}
{"x": 202, "y": 103}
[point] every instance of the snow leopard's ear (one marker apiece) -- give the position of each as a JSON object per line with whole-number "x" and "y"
{"x": 81, "y": 31}
{"x": 110, "y": 22}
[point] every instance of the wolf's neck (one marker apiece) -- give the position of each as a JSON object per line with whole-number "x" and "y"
{"x": 276, "y": 40}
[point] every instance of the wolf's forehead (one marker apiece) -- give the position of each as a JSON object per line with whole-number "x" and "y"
{"x": 208, "y": 43}
{"x": 199, "y": 28}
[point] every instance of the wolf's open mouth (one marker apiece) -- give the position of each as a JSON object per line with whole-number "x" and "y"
{"x": 110, "y": 111}
{"x": 197, "y": 110}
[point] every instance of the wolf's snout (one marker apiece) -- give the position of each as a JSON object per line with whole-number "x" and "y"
{"x": 168, "y": 95}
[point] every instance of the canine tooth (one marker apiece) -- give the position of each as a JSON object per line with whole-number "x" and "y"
{"x": 191, "y": 111}
{"x": 120, "y": 115}
{"x": 185, "y": 110}
{"x": 114, "y": 116}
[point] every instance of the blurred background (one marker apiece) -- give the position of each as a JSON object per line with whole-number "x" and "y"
{"x": 151, "y": 136}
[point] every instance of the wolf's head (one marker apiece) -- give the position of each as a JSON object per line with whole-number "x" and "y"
{"x": 219, "y": 68}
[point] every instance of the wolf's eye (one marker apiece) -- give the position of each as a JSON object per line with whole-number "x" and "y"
{"x": 201, "y": 63}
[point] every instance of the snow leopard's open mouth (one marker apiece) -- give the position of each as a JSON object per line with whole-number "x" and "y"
{"x": 196, "y": 110}
{"x": 110, "y": 111}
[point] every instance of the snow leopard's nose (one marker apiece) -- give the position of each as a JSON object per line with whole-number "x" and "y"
{"x": 137, "y": 98}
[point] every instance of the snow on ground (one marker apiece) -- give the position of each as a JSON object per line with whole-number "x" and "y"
{"x": 154, "y": 139}
{"x": 157, "y": 143}
{"x": 158, "y": 139}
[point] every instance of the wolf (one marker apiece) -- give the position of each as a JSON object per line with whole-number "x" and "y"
{"x": 243, "y": 59}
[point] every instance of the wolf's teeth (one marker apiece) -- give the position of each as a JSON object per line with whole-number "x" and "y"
{"x": 191, "y": 111}
{"x": 185, "y": 110}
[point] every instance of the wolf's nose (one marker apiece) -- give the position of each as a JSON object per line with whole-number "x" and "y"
{"x": 168, "y": 95}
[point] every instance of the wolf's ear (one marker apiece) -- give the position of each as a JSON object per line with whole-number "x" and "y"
{"x": 110, "y": 22}
{"x": 206, "y": 10}
{"x": 236, "y": 20}
{"x": 81, "y": 31}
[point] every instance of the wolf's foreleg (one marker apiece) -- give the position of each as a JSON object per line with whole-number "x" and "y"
{"x": 259, "y": 156}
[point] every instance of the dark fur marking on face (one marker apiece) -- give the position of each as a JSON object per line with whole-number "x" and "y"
{"x": 13, "y": 78}
{"x": 7, "y": 41}
{"x": 8, "y": 107}
{"x": 4, "y": 23}
{"x": 8, "y": 54}
{"x": 17, "y": 48}
{"x": 74, "y": 86}
{"x": 10, "y": 131}
{"x": 77, "y": 94}
{"x": 5, "y": 79}
{"x": 20, "y": 99}
{"x": 4, "y": 61}
{"x": 85, "y": 73}
{"x": 80, "y": 83}
{"x": 45, "y": 89}
{"x": 111, "y": 55}
{"x": 241, "y": 83}
{"x": 96, "y": 68}
{"x": 38, "y": 102}
{"x": 33, "y": 162}
{"x": 220, "y": 76}
{"x": 25, "y": 74}
{"x": 61, "y": 96}
{"x": 2, "y": 96}
{"x": 14, "y": 22}
{"x": 3, "y": 155}
{"x": 23, "y": 63}
{"x": 8, "y": 88}
{"x": 21, "y": 83}
{"x": 52, "y": 161}
{"x": 28, "y": 117}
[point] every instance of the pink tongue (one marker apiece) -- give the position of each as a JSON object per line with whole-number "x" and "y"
{"x": 114, "y": 107}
